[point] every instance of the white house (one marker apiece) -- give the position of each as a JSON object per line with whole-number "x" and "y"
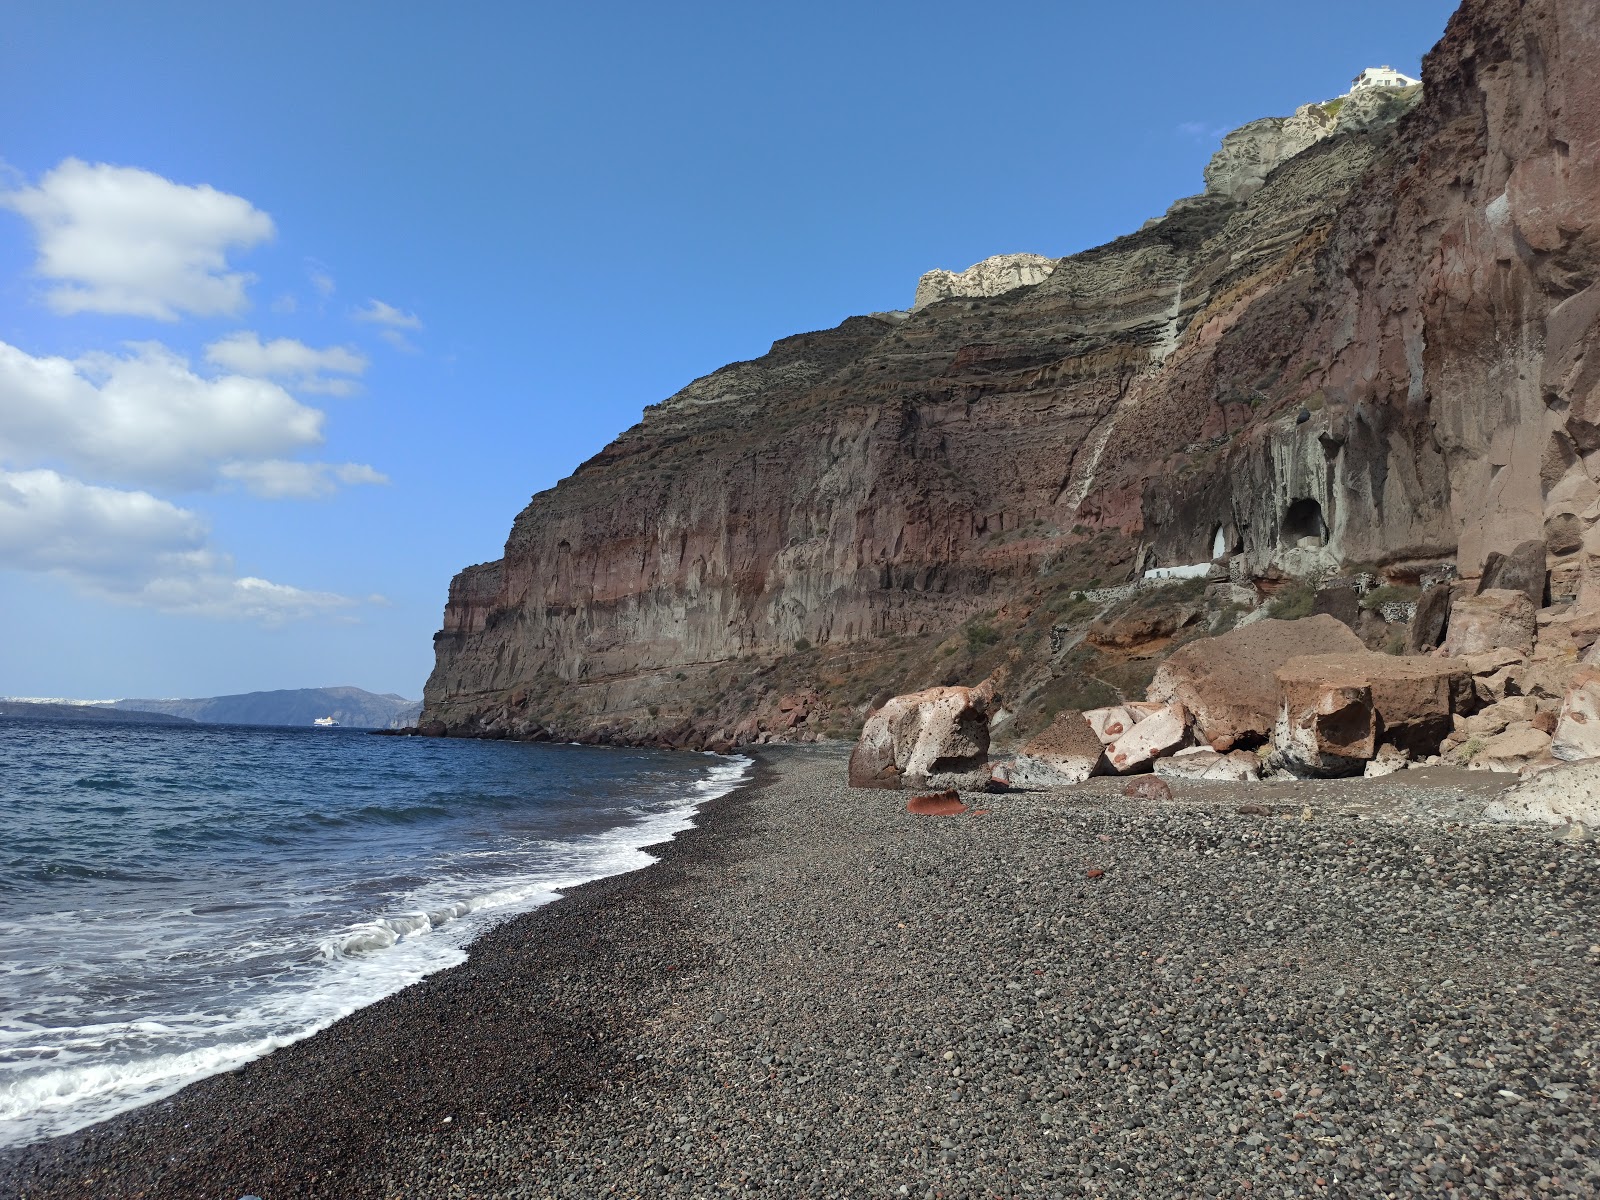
{"x": 1382, "y": 77}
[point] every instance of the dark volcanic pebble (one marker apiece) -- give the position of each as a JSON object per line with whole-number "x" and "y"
{"x": 1366, "y": 993}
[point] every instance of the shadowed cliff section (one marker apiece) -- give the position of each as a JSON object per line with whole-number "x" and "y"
{"x": 1371, "y": 351}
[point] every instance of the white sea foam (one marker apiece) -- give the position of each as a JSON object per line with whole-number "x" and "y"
{"x": 99, "y": 1069}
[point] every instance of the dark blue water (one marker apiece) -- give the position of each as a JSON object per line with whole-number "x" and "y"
{"x": 176, "y": 900}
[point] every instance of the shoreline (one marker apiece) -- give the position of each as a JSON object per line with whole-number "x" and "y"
{"x": 1356, "y": 988}
{"x": 168, "y": 1147}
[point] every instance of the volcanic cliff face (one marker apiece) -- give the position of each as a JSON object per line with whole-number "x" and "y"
{"x": 1366, "y": 342}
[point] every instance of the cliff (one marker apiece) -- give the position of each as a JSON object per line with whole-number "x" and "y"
{"x": 1365, "y": 343}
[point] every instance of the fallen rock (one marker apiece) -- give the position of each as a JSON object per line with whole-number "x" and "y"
{"x": 1337, "y": 709}
{"x": 1158, "y": 734}
{"x": 1493, "y": 676}
{"x": 1491, "y": 661}
{"x": 1111, "y": 723}
{"x": 939, "y": 804}
{"x": 1387, "y": 761}
{"x": 1512, "y": 751}
{"x": 934, "y": 738}
{"x": 1227, "y": 683}
{"x": 1238, "y": 766}
{"x": 1339, "y": 599}
{"x": 1563, "y": 795}
{"x": 1577, "y": 733}
{"x": 1523, "y": 570}
{"x": 1148, "y": 789}
{"x": 1493, "y": 619}
{"x": 1497, "y": 717}
{"x": 1067, "y": 752}
{"x": 1428, "y": 623}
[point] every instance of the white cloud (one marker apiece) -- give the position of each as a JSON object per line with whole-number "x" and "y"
{"x": 285, "y": 303}
{"x": 279, "y": 479}
{"x": 285, "y": 358}
{"x": 125, "y": 240}
{"x": 145, "y": 417}
{"x": 380, "y": 313}
{"x": 322, "y": 281}
{"x": 136, "y": 549}
{"x": 398, "y": 340}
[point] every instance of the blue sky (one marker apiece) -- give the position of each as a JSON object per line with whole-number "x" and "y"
{"x": 300, "y": 304}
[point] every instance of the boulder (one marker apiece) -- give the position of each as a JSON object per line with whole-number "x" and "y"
{"x": 1428, "y": 623}
{"x": 1336, "y": 709}
{"x": 1149, "y": 788}
{"x": 1491, "y": 620}
{"x": 937, "y": 804}
{"x": 1543, "y": 679}
{"x": 1496, "y": 718}
{"x": 1237, "y": 766}
{"x": 1226, "y": 683}
{"x": 929, "y": 739}
{"x": 1111, "y": 723}
{"x": 1563, "y": 795}
{"x": 1577, "y": 733}
{"x": 1511, "y": 751}
{"x": 1387, "y": 761}
{"x": 1523, "y": 570}
{"x": 1158, "y": 734}
{"x": 1339, "y": 599}
{"x": 1067, "y": 752}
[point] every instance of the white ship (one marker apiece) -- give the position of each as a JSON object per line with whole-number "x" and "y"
{"x": 325, "y": 722}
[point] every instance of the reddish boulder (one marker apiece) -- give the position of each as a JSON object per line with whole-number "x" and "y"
{"x": 1148, "y": 789}
{"x": 939, "y": 804}
{"x": 1226, "y": 683}
{"x": 1337, "y": 709}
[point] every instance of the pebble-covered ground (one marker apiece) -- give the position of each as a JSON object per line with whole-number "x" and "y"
{"x": 1359, "y": 989}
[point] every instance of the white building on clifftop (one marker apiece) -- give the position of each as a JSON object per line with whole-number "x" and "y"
{"x": 1382, "y": 77}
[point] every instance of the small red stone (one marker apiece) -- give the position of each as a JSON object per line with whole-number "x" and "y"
{"x": 937, "y": 804}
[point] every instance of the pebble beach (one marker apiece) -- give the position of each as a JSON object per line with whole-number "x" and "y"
{"x": 1352, "y": 988}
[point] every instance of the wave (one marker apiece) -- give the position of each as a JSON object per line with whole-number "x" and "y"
{"x": 54, "y": 1080}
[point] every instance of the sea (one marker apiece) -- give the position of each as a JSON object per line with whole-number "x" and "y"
{"x": 176, "y": 900}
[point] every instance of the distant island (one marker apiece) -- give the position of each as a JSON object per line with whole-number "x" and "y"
{"x": 346, "y": 707}
{"x": 351, "y": 707}
{"x": 36, "y": 710}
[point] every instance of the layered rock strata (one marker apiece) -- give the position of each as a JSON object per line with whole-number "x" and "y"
{"x": 1381, "y": 354}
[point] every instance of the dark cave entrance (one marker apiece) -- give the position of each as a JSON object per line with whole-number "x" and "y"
{"x": 1303, "y": 519}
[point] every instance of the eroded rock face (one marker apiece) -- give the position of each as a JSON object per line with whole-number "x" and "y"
{"x": 1228, "y": 683}
{"x": 938, "y": 738}
{"x": 993, "y": 276}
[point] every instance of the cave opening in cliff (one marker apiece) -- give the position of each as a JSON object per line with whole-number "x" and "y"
{"x": 1303, "y": 519}
{"x": 1219, "y": 543}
